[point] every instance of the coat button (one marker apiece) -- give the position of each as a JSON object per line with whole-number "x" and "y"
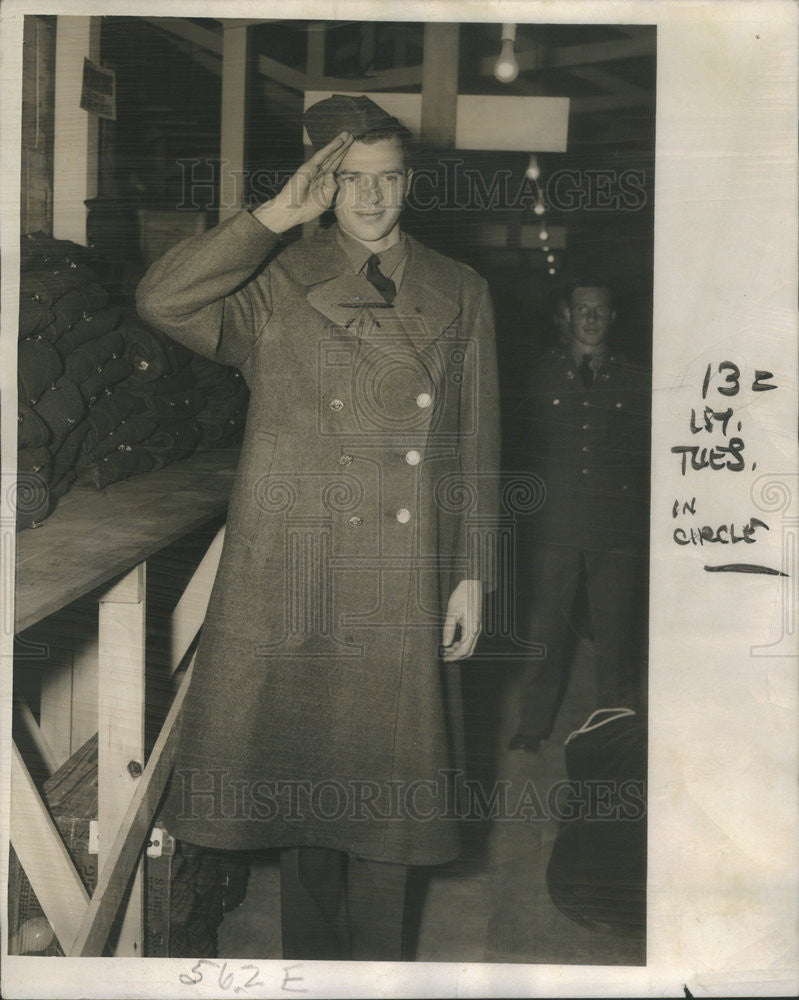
{"x": 423, "y": 400}
{"x": 413, "y": 457}
{"x": 355, "y": 522}
{"x": 403, "y": 515}
{"x": 336, "y": 404}
{"x": 345, "y": 460}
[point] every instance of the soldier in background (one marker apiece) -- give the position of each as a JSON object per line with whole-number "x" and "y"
{"x": 586, "y": 419}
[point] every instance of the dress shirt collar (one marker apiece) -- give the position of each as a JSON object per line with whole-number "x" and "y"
{"x": 358, "y": 254}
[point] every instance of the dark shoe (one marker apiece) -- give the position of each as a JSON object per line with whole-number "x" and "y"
{"x": 522, "y": 742}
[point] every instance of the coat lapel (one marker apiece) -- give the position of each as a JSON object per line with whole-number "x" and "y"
{"x": 424, "y": 306}
{"x": 425, "y": 303}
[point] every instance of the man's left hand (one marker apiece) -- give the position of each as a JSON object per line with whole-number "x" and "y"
{"x": 464, "y": 610}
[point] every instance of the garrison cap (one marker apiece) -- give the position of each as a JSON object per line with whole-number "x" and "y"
{"x": 341, "y": 113}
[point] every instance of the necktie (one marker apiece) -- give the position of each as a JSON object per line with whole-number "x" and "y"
{"x": 383, "y": 284}
{"x": 586, "y": 371}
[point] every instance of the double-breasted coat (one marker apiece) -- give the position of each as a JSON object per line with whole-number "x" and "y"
{"x": 319, "y": 712}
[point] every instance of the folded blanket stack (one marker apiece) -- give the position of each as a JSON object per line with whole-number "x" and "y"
{"x": 226, "y": 397}
{"x": 68, "y": 355}
{"x": 127, "y": 428}
{"x": 103, "y": 396}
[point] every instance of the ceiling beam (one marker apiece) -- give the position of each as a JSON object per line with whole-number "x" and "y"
{"x": 594, "y": 52}
{"x": 613, "y": 84}
{"x": 539, "y": 57}
{"x": 289, "y": 77}
{"x": 609, "y": 102}
{"x": 623, "y": 95}
{"x": 201, "y": 56}
{"x": 390, "y": 79}
{"x": 282, "y": 102}
{"x": 385, "y": 79}
{"x": 635, "y": 30}
{"x": 189, "y": 32}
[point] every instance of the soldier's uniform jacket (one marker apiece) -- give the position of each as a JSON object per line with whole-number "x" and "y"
{"x": 590, "y": 448}
{"x": 368, "y": 461}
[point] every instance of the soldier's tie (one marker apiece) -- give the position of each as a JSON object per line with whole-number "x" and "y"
{"x": 586, "y": 371}
{"x": 384, "y": 285}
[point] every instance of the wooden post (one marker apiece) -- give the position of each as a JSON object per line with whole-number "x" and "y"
{"x": 440, "y": 83}
{"x": 121, "y": 729}
{"x": 234, "y": 110}
{"x": 44, "y": 857}
{"x": 35, "y": 734}
{"x": 99, "y": 914}
{"x": 56, "y": 704}
{"x": 76, "y": 139}
{"x": 315, "y": 65}
{"x": 190, "y": 610}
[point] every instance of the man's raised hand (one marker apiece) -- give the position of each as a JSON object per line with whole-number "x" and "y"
{"x": 309, "y": 192}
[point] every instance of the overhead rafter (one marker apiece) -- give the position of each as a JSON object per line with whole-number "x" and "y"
{"x": 608, "y": 102}
{"x": 613, "y": 84}
{"x": 594, "y": 52}
{"x": 189, "y": 32}
{"x": 296, "y": 79}
{"x": 635, "y": 30}
{"x": 205, "y": 46}
{"x": 543, "y": 57}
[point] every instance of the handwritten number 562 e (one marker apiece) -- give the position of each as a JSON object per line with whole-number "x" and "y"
{"x": 225, "y": 978}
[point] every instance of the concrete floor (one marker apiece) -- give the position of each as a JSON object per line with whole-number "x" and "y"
{"x": 492, "y": 905}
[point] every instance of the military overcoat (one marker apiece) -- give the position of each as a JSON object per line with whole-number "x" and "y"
{"x": 319, "y": 712}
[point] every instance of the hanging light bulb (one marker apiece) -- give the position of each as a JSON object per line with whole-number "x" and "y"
{"x": 533, "y": 169}
{"x": 506, "y": 69}
{"x": 543, "y": 235}
{"x": 539, "y": 208}
{"x": 552, "y": 270}
{"x": 545, "y": 249}
{"x": 550, "y": 258}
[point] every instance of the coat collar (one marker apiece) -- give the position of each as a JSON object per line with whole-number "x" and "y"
{"x": 424, "y": 303}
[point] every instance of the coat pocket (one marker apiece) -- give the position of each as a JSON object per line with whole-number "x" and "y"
{"x": 246, "y": 502}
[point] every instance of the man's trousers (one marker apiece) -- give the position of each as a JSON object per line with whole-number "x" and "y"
{"x": 339, "y": 907}
{"x": 549, "y": 577}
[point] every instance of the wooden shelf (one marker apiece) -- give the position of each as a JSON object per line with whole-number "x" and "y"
{"x": 94, "y": 536}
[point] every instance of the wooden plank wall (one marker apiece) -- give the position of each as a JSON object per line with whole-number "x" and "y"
{"x": 38, "y": 110}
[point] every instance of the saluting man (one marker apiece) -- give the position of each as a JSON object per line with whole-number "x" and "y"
{"x": 323, "y": 717}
